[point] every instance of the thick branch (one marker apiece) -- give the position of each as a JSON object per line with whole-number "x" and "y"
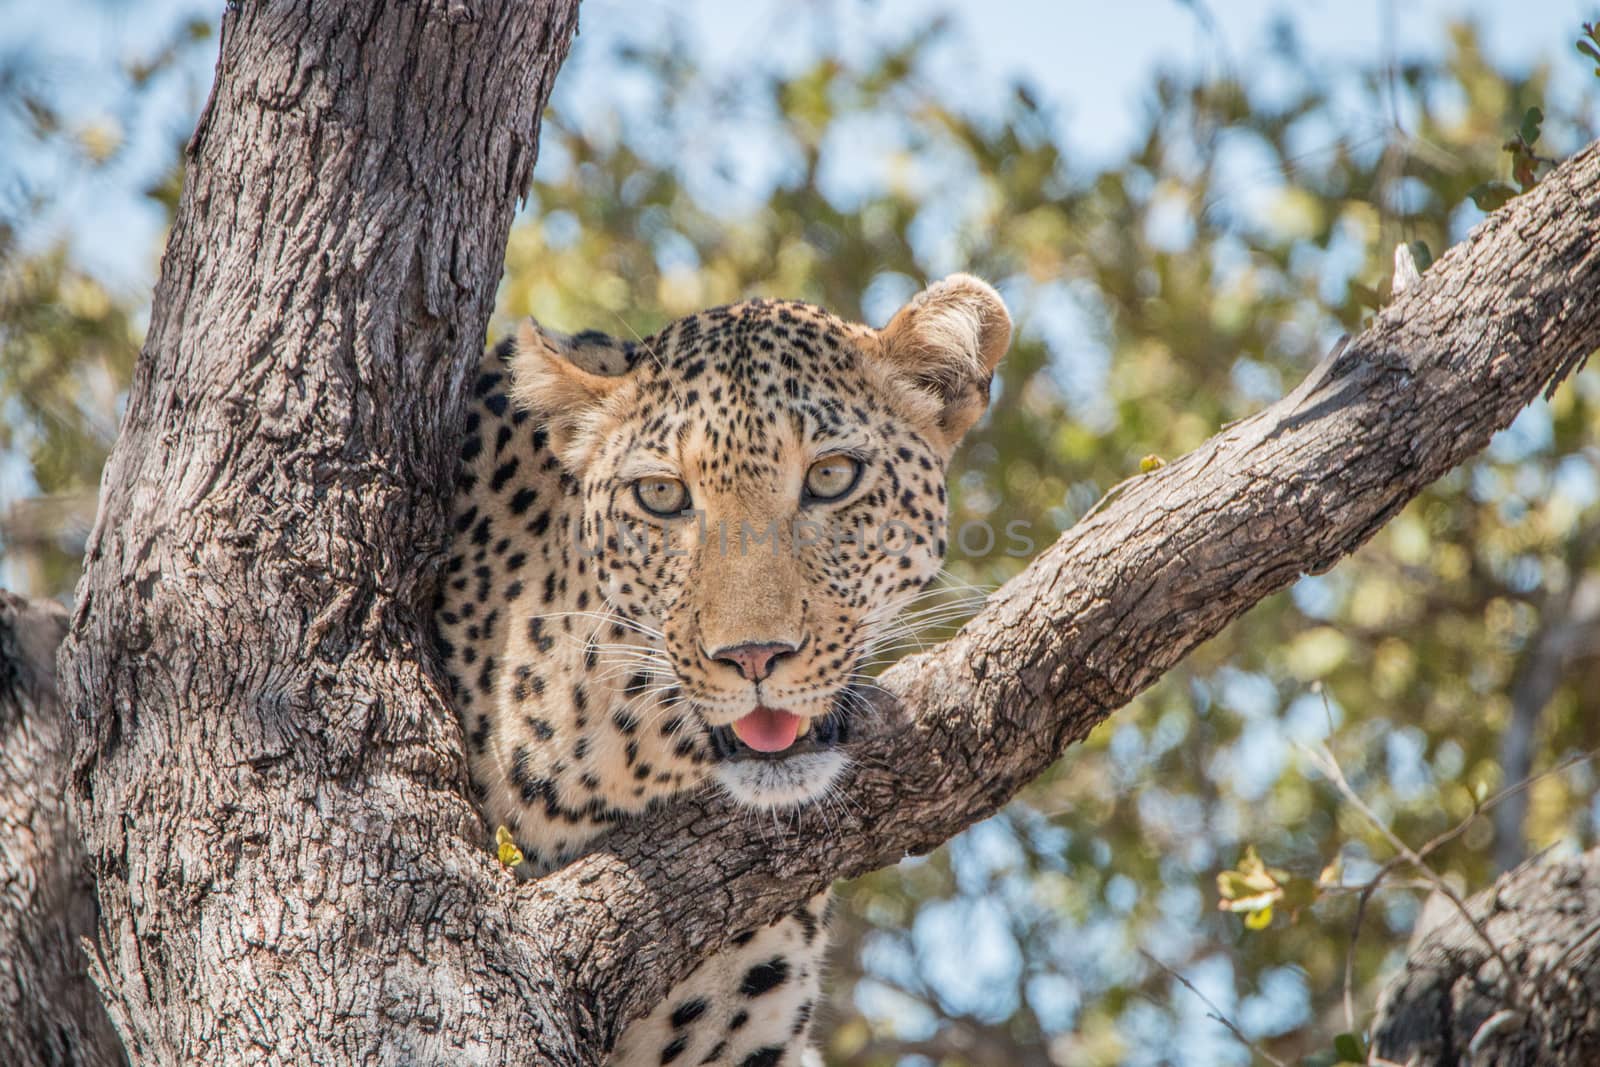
{"x": 49, "y": 1012}
{"x": 1126, "y": 593}
{"x": 1451, "y": 1004}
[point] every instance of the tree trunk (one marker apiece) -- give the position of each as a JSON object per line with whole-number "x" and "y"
{"x": 266, "y": 776}
{"x": 1453, "y": 1005}
{"x": 49, "y": 1012}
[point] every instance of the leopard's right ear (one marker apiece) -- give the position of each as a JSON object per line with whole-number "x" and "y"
{"x": 568, "y": 381}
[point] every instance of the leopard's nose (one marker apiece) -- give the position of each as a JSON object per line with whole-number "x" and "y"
{"x": 754, "y": 661}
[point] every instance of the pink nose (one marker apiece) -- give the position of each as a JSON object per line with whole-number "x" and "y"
{"x": 753, "y": 661}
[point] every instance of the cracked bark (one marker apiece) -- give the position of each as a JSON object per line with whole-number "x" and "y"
{"x": 266, "y": 776}
{"x": 49, "y": 1012}
{"x": 1451, "y": 1004}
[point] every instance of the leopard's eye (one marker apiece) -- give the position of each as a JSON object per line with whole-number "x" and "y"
{"x": 831, "y": 477}
{"x": 660, "y": 495}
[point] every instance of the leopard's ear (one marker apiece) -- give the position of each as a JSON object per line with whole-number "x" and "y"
{"x": 567, "y": 381}
{"x": 946, "y": 344}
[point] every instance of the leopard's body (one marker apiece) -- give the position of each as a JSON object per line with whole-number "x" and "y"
{"x": 605, "y": 656}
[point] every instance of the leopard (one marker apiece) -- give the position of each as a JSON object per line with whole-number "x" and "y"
{"x": 670, "y": 558}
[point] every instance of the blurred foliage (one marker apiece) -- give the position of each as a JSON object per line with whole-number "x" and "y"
{"x": 1159, "y": 295}
{"x": 68, "y": 340}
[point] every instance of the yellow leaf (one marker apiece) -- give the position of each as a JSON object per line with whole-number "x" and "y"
{"x": 1259, "y": 920}
{"x": 510, "y": 854}
{"x": 1152, "y": 462}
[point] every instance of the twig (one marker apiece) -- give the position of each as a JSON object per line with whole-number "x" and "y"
{"x": 1217, "y": 1014}
{"x": 1416, "y": 858}
{"x": 1329, "y": 766}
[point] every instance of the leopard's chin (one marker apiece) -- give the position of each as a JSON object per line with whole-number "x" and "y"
{"x": 769, "y": 784}
{"x": 772, "y": 759}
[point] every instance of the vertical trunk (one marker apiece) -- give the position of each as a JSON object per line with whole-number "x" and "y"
{"x": 266, "y": 780}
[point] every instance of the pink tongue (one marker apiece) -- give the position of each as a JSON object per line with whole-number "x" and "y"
{"x": 768, "y": 729}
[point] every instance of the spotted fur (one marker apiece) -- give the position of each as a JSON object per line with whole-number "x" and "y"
{"x": 586, "y": 638}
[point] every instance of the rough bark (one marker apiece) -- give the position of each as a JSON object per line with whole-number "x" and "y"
{"x": 49, "y": 1011}
{"x": 266, "y": 775}
{"x": 1452, "y": 1004}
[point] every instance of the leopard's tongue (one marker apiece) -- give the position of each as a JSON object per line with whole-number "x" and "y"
{"x": 768, "y": 729}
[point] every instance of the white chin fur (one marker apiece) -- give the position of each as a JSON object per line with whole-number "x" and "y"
{"x": 760, "y": 783}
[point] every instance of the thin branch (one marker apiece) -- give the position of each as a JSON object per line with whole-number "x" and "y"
{"x": 1214, "y": 1012}
{"x": 1330, "y": 766}
{"x": 1365, "y": 890}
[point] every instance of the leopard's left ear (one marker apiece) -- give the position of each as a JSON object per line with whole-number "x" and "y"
{"x": 568, "y": 380}
{"x": 946, "y": 343}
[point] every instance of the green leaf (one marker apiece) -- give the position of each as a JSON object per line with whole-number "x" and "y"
{"x": 1421, "y": 254}
{"x": 1531, "y": 121}
{"x": 1348, "y": 1046}
{"x": 1491, "y": 196}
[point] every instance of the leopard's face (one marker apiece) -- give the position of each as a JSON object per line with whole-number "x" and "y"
{"x": 762, "y": 493}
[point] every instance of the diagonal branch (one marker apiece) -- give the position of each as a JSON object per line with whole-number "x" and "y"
{"x": 1125, "y": 594}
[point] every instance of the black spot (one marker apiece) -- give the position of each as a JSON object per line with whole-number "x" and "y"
{"x": 765, "y": 977}
{"x": 738, "y": 1021}
{"x": 503, "y": 474}
{"x": 523, "y": 499}
{"x": 767, "y": 1056}
{"x": 688, "y": 1012}
{"x": 715, "y": 1053}
{"x": 674, "y": 1050}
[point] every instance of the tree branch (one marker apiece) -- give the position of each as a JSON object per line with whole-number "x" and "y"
{"x": 1450, "y": 1003}
{"x": 1126, "y": 593}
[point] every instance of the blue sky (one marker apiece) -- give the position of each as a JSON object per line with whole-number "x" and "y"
{"x": 1090, "y": 59}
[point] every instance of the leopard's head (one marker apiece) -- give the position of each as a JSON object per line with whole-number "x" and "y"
{"x": 763, "y": 491}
